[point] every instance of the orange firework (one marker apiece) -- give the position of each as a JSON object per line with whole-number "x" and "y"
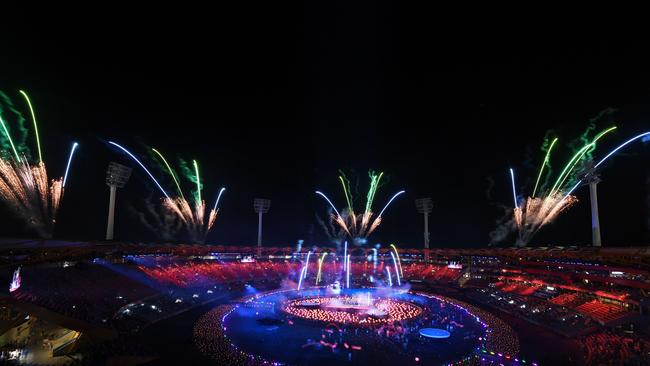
{"x": 358, "y": 226}
{"x": 25, "y": 187}
{"x": 28, "y": 192}
{"x": 192, "y": 218}
{"x": 536, "y": 212}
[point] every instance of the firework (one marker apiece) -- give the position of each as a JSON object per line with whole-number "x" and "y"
{"x": 31, "y": 110}
{"x": 198, "y": 181}
{"x": 534, "y": 212}
{"x": 11, "y": 141}
{"x": 399, "y": 262}
{"x": 347, "y": 272}
{"x": 399, "y": 283}
{"x": 619, "y": 147}
{"x": 358, "y": 226}
{"x": 544, "y": 164}
{"x": 568, "y": 169}
{"x": 141, "y": 165}
{"x": 514, "y": 191}
{"x": 320, "y": 266}
{"x": 302, "y": 275}
{"x": 67, "y": 167}
{"x": 194, "y": 216}
{"x": 26, "y": 188}
{"x": 216, "y": 202}
{"x": 27, "y": 191}
{"x": 345, "y": 256}
{"x": 170, "y": 170}
{"x": 390, "y": 280}
{"x": 307, "y": 264}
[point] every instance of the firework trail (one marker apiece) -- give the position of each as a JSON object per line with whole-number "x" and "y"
{"x": 399, "y": 283}
{"x": 390, "y": 280}
{"x": 347, "y": 272}
{"x": 192, "y": 216}
{"x": 27, "y": 191}
{"x": 358, "y": 226}
{"x": 536, "y": 211}
{"x": 13, "y": 135}
{"x": 8, "y": 135}
{"x": 67, "y": 167}
{"x": 399, "y": 262}
{"x": 198, "y": 181}
{"x": 195, "y": 218}
{"x": 514, "y": 191}
{"x": 25, "y": 187}
{"x": 645, "y": 134}
{"x": 190, "y": 171}
{"x": 320, "y": 266}
{"x": 545, "y": 163}
{"x": 31, "y": 110}
{"x": 170, "y": 170}
{"x": 216, "y": 202}
{"x": 141, "y": 165}
{"x": 585, "y": 151}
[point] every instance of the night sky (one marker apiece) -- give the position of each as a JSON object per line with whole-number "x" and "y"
{"x": 273, "y": 100}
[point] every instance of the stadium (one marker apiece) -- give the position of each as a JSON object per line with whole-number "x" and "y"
{"x": 321, "y": 184}
{"x": 157, "y": 304}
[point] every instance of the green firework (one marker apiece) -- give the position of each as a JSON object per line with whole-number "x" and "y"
{"x": 545, "y": 163}
{"x": 31, "y": 110}
{"x": 577, "y": 157}
{"x": 14, "y": 133}
{"x": 170, "y": 170}
{"x": 374, "y": 184}
{"x": 198, "y": 181}
{"x": 346, "y": 190}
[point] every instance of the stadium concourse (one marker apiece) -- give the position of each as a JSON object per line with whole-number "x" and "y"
{"x": 128, "y": 303}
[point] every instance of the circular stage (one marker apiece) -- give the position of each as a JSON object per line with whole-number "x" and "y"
{"x": 434, "y": 333}
{"x": 359, "y": 309}
{"x": 358, "y": 326}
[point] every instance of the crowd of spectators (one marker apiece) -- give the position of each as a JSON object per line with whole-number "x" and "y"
{"x": 613, "y": 347}
{"x": 540, "y": 312}
{"x": 83, "y": 291}
{"x": 210, "y": 339}
{"x": 207, "y": 274}
{"x": 501, "y": 337}
{"x": 431, "y": 272}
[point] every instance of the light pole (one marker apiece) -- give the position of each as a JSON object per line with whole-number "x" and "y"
{"x": 590, "y": 176}
{"x": 261, "y": 206}
{"x": 425, "y": 206}
{"x": 593, "y": 179}
{"x": 116, "y": 177}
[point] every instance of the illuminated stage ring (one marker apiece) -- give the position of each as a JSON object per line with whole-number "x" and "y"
{"x": 339, "y": 309}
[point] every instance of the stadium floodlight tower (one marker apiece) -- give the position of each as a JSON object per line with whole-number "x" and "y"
{"x": 261, "y": 206}
{"x": 591, "y": 176}
{"x": 116, "y": 177}
{"x": 425, "y": 206}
